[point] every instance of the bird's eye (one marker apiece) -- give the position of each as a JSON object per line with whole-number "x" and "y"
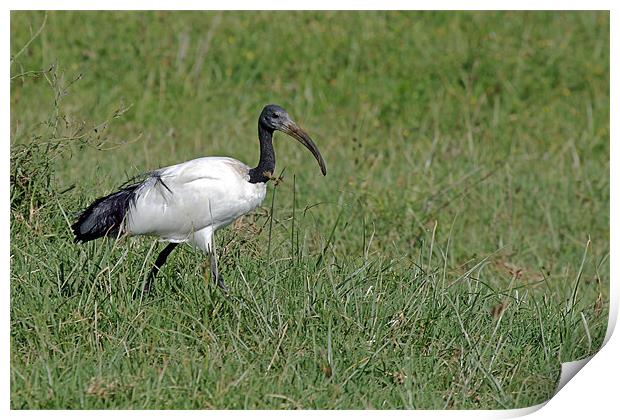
{"x": 274, "y": 115}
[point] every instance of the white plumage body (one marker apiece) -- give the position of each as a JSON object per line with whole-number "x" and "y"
{"x": 189, "y": 201}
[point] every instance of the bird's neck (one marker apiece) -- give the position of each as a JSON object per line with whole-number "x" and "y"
{"x": 267, "y": 162}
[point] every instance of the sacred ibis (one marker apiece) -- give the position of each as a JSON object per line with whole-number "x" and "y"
{"x": 188, "y": 202}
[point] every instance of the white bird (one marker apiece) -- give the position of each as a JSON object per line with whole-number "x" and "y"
{"x": 188, "y": 202}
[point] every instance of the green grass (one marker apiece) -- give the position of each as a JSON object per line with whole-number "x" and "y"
{"x": 455, "y": 254}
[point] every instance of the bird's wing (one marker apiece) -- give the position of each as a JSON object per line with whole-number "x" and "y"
{"x": 206, "y": 167}
{"x": 178, "y": 200}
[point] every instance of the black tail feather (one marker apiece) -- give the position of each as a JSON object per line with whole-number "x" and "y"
{"x": 105, "y": 216}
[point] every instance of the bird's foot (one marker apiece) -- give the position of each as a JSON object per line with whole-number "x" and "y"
{"x": 142, "y": 292}
{"x": 221, "y": 285}
{"x": 218, "y": 279}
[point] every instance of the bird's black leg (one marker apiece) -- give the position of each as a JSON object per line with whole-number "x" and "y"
{"x": 215, "y": 274}
{"x": 159, "y": 262}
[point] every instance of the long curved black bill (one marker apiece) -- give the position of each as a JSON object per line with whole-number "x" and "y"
{"x": 297, "y": 133}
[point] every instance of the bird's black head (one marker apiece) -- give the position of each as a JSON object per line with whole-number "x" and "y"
{"x": 274, "y": 117}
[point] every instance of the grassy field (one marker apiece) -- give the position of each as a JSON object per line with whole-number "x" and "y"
{"x": 455, "y": 254}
